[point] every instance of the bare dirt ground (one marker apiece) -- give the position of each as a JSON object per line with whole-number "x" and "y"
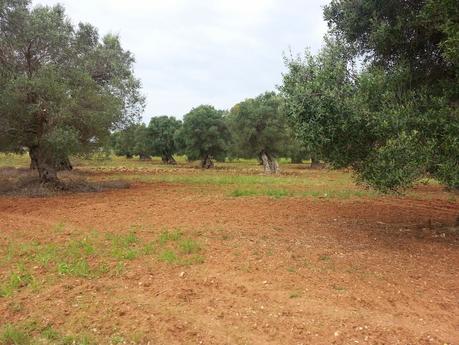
{"x": 290, "y": 270}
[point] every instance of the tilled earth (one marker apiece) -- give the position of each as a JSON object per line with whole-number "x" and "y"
{"x": 290, "y": 270}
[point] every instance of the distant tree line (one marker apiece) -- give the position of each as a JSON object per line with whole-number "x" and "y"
{"x": 381, "y": 97}
{"x": 254, "y": 128}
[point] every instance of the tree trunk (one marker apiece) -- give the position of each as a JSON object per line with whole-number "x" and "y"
{"x": 61, "y": 165}
{"x": 168, "y": 159}
{"x": 315, "y": 163}
{"x": 144, "y": 157}
{"x": 270, "y": 165}
{"x": 207, "y": 163}
{"x": 260, "y": 160}
{"x": 45, "y": 165}
{"x": 33, "y": 162}
{"x": 64, "y": 164}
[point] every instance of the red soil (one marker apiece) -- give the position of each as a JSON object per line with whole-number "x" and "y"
{"x": 276, "y": 271}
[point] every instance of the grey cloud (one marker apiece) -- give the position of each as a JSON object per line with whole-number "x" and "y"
{"x": 205, "y": 51}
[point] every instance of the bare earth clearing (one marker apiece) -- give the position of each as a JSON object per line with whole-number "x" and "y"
{"x": 192, "y": 257}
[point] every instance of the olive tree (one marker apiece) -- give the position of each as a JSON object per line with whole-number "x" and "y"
{"x": 259, "y": 129}
{"x": 395, "y": 119}
{"x": 204, "y": 135}
{"x": 62, "y": 88}
{"x": 161, "y": 137}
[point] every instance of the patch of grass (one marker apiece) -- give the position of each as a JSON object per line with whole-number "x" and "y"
{"x": 15, "y": 307}
{"x": 338, "y": 288}
{"x": 77, "y": 340}
{"x": 274, "y": 193}
{"x": 168, "y": 256}
{"x": 125, "y": 247}
{"x": 295, "y": 294}
{"x": 14, "y": 335}
{"x": 242, "y": 192}
{"x": 49, "y": 333}
{"x": 88, "y": 257}
{"x": 192, "y": 260}
{"x": 120, "y": 267}
{"x": 277, "y": 193}
{"x": 117, "y": 339}
{"x": 170, "y": 236}
{"x": 177, "y": 249}
{"x": 59, "y": 227}
{"x": 189, "y": 246}
{"x": 339, "y": 194}
{"x": 324, "y": 257}
{"x": 14, "y": 160}
{"x": 16, "y": 281}
{"x": 46, "y": 254}
{"x": 80, "y": 248}
{"x": 78, "y": 268}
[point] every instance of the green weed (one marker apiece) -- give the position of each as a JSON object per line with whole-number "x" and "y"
{"x": 16, "y": 281}
{"x": 168, "y": 236}
{"x": 189, "y": 246}
{"x": 168, "y": 256}
{"x": 13, "y": 335}
{"x": 242, "y": 192}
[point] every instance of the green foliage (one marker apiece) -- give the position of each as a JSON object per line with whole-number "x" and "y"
{"x": 62, "y": 88}
{"x": 423, "y": 35}
{"x": 189, "y": 246}
{"x": 12, "y": 335}
{"x": 179, "y": 250}
{"x": 167, "y": 236}
{"x": 243, "y": 192}
{"x": 16, "y": 280}
{"x": 204, "y": 134}
{"x": 258, "y": 125}
{"x": 31, "y": 333}
{"x": 161, "y": 136}
{"x": 131, "y": 141}
{"x": 168, "y": 256}
{"x": 316, "y": 90}
{"x": 395, "y": 120}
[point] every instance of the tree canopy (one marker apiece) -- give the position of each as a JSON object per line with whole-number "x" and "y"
{"x": 204, "y": 135}
{"x": 395, "y": 119}
{"x": 259, "y": 128}
{"x": 62, "y": 88}
{"x": 161, "y": 137}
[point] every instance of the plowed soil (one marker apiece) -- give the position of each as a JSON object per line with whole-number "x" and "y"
{"x": 291, "y": 270}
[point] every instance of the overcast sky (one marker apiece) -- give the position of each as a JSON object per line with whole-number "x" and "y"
{"x": 192, "y": 52}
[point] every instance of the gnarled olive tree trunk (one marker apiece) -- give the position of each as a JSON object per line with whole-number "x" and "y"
{"x": 206, "y": 162}
{"x": 270, "y": 165}
{"x": 64, "y": 164}
{"x": 60, "y": 165}
{"x": 315, "y": 162}
{"x": 144, "y": 157}
{"x": 168, "y": 159}
{"x": 45, "y": 164}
